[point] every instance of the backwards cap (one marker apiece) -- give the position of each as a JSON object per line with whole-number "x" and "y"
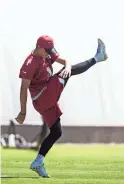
{"x": 47, "y": 43}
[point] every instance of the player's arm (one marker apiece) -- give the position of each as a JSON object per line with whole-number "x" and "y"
{"x": 23, "y": 94}
{"x": 55, "y": 56}
{"x": 67, "y": 71}
{"x": 23, "y": 100}
{"x": 27, "y": 73}
{"x": 63, "y": 61}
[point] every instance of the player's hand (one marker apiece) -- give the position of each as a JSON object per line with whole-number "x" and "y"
{"x": 20, "y": 118}
{"x": 66, "y": 72}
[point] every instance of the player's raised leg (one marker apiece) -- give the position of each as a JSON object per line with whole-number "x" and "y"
{"x": 99, "y": 56}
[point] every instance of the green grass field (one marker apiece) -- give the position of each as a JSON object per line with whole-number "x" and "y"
{"x": 70, "y": 164}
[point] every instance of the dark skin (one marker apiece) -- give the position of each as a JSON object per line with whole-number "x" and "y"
{"x": 26, "y": 83}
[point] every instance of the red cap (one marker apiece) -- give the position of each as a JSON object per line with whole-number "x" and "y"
{"x": 45, "y": 42}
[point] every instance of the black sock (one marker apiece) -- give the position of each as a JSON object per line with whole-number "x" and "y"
{"x": 82, "y": 67}
{"x": 55, "y": 134}
{"x": 79, "y": 68}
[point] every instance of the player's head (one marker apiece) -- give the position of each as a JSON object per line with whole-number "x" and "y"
{"x": 45, "y": 46}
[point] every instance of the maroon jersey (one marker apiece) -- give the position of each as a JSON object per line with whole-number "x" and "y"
{"x": 38, "y": 70}
{"x": 45, "y": 89}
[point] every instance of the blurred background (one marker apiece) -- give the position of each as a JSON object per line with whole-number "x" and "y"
{"x": 93, "y": 102}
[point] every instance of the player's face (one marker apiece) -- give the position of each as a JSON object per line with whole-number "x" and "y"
{"x": 42, "y": 52}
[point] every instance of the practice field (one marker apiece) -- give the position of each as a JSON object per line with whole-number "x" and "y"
{"x": 70, "y": 164}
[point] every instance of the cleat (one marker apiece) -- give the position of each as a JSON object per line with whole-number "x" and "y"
{"x": 101, "y": 54}
{"x": 38, "y": 167}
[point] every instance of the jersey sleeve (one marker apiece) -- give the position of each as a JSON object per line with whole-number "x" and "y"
{"x": 28, "y": 69}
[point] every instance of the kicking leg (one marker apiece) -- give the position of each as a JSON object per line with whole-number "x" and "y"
{"x": 84, "y": 66}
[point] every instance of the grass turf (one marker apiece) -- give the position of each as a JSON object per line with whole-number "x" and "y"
{"x": 67, "y": 164}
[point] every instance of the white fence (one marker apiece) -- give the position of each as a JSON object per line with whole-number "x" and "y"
{"x": 93, "y": 98}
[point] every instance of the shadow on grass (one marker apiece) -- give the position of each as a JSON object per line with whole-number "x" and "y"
{"x": 10, "y": 177}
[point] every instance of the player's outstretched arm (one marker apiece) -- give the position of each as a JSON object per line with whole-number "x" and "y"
{"x": 23, "y": 100}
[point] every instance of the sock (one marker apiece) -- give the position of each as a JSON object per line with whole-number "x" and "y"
{"x": 39, "y": 157}
{"x": 54, "y": 135}
{"x": 96, "y": 59}
{"x": 82, "y": 67}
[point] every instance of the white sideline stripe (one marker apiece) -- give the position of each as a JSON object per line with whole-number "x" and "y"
{"x": 38, "y": 95}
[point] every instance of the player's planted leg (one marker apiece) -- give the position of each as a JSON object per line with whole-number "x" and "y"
{"x": 38, "y": 165}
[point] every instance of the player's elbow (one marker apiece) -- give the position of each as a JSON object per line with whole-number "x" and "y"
{"x": 61, "y": 61}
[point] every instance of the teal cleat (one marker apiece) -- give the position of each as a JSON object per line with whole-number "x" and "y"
{"x": 101, "y": 54}
{"x": 38, "y": 167}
